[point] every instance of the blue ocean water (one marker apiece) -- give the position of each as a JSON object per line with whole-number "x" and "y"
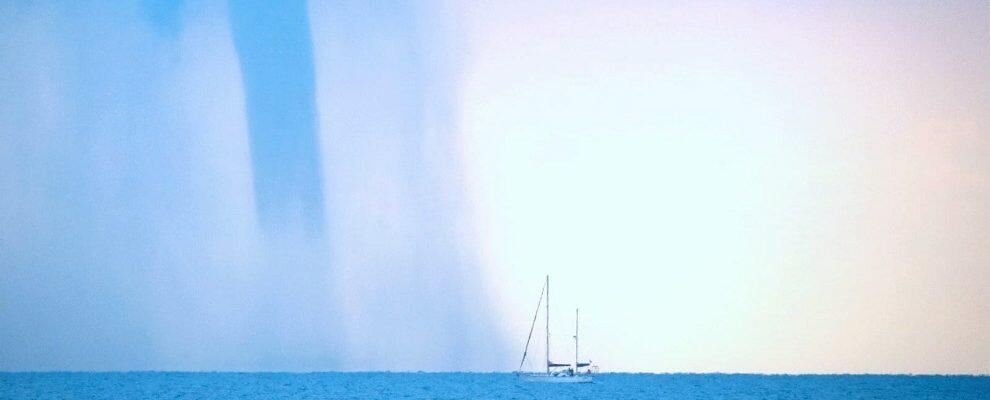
{"x": 335, "y": 385}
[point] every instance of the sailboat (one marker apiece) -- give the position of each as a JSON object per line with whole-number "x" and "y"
{"x": 576, "y": 372}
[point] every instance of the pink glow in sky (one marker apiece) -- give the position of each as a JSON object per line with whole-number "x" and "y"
{"x": 765, "y": 187}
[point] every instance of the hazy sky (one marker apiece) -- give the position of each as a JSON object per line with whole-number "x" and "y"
{"x": 740, "y": 187}
{"x": 761, "y": 187}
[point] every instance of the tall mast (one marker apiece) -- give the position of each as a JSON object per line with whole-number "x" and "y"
{"x": 548, "y": 324}
{"x": 576, "y": 316}
{"x": 531, "y": 326}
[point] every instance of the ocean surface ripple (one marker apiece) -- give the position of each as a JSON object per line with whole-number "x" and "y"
{"x": 384, "y": 385}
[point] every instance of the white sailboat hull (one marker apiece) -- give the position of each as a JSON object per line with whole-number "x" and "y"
{"x": 582, "y": 378}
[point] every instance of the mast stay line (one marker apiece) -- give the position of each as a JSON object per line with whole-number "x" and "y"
{"x": 533, "y": 325}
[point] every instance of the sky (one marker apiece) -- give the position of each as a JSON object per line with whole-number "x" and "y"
{"x": 725, "y": 186}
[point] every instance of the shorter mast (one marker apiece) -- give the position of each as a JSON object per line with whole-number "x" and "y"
{"x": 576, "y": 316}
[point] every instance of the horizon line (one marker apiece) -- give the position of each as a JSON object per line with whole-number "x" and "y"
{"x": 617, "y": 372}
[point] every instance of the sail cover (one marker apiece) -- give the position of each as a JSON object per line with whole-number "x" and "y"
{"x": 552, "y": 364}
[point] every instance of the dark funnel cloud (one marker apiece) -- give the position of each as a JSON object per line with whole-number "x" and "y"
{"x": 276, "y": 60}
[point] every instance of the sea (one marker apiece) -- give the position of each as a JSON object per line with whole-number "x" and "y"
{"x": 386, "y": 385}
